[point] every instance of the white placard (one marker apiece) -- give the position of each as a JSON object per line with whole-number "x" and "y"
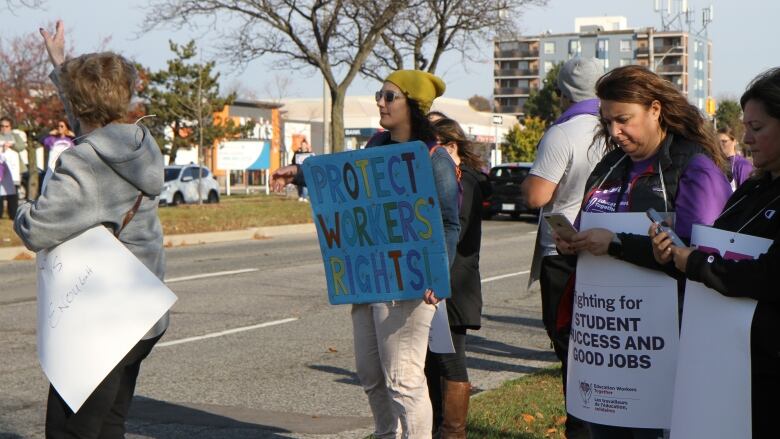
{"x": 96, "y": 300}
{"x": 14, "y": 166}
{"x": 712, "y": 396}
{"x": 240, "y": 154}
{"x": 624, "y": 336}
{"x": 440, "y": 337}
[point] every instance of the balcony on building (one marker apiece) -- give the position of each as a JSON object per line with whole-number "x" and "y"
{"x": 670, "y": 69}
{"x": 509, "y": 109}
{"x": 531, "y": 71}
{"x": 668, "y": 47}
{"x": 512, "y": 91}
{"x": 517, "y": 53}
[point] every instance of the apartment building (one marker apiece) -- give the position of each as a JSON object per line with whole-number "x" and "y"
{"x": 520, "y": 65}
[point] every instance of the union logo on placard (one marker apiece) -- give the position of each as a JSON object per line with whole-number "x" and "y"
{"x": 586, "y": 390}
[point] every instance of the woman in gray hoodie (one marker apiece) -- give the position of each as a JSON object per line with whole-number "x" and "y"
{"x": 112, "y": 176}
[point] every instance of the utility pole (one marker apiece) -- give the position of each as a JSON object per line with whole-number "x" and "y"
{"x": 497, "y": 120}
{"x": 326, "y": 134}
{"x": 200, "y": 131}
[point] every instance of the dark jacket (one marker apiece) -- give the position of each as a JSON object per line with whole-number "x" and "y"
{"x": 446, "y": 183}
{"x": 756, "y": 206}
{"x": 673, "y": 157}
{"x": 464, "y": 308}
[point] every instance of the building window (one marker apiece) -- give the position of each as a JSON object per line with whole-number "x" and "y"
{"x": 625, "y": 62}
{"x": 575, "y": 47}
{"x": 549, "y": 48}
{"x": 509, "y": 45}
{"x": 602, "y": 49}
{"x": 625, "y": 45}
{"x": 548, "y": 65}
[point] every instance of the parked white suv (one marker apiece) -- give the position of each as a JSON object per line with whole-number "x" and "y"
{"x": 181, "y": 185}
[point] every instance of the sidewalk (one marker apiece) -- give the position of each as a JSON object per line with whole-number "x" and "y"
{"x": 21, "y": 253}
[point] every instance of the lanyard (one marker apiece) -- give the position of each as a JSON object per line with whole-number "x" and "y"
{"x": 612, "y": 168}
{"x": 751, "y": 218}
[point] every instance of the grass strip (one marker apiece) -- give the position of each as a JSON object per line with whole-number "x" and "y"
{"x": 530, "y": 407}
{"x": 236, "y": 212}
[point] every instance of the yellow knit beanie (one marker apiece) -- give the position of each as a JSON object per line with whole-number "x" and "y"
{"x": 421, "y": 86}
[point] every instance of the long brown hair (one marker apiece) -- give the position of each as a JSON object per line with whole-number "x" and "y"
{"x": 447, "y": 130}
{"x": 638, "y": 85}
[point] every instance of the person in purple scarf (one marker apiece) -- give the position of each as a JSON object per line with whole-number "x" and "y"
{"x": 564, "y": 159}
{"x": 661, "y": 154}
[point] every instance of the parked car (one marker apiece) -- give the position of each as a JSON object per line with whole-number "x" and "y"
{"x": 505, "y": 180}
{"x": 182, "y": 182}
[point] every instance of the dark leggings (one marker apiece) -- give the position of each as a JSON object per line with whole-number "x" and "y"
{"x": 451, "y": 367}
{"x": 13, "y": 203}
{"x": 103, "y": 414}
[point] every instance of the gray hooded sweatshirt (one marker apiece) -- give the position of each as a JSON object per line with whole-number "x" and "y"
{"x": 97, "y": 182}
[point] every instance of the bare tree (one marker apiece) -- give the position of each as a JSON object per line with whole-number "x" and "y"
{"x": 12, "y": 5}
{"x": 333, "y": 36}
{"x": 27, "y": 95}
{"x": 427, "y": 29}
{"x": 279, "y": 88}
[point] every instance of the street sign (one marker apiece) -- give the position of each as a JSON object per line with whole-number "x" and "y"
{"x": 498, "y": 120}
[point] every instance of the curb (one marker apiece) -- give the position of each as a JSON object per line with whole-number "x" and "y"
{"x": 21, "y": 253}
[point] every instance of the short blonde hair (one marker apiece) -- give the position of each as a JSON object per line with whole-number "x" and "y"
{"x": 99, "y": 86}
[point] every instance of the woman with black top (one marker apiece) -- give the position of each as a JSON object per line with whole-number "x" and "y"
{"x": 752, "y": 210}
{"x": 448, "y": 380}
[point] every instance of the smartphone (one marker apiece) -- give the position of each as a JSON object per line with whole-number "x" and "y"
{"x": 656, "y": 218}
{"x": 561, "y": 225}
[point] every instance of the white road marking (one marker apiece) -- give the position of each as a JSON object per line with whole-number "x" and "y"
{"x": 504, "y": 276}
{"x": 228, "y": 332}
{"x": 206, "y": 275}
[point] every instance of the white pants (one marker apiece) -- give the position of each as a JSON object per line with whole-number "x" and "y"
{"x": 391, "y": 341}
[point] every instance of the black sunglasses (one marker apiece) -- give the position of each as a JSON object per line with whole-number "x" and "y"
{"x": 388, "y": 95}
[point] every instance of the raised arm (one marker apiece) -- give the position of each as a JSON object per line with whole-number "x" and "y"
{"x": 55, "y": 47}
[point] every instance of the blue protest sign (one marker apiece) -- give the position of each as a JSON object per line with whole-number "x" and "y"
{"x": 379, "y": 223}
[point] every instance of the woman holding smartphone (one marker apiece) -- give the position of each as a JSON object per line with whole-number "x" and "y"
{"x": 661, "y": 154}
{"x": 751, "y": 211}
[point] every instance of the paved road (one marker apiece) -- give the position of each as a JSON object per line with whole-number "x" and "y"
{"x": 260, "y": 353}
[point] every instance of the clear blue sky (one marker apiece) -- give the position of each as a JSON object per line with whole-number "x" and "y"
{"x": 744, "y": 35}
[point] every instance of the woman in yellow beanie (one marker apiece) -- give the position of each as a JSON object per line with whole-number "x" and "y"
{"x": 391, "y": 338}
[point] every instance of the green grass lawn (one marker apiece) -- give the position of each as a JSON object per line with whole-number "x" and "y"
{"x": 231, "y": 213}
{"x": 526, "y": 408}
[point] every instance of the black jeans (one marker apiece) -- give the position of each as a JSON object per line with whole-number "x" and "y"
{"x": 555, "y": 273}
{"x": 103, "y": 414}
{"x": 13, "y": 204}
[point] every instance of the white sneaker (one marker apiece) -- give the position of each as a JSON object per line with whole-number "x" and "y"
{"x": 300, "y": 199}
{"x": 305, "y": 200}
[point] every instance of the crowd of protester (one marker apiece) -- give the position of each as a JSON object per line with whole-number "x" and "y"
{"x": 627, "y": 141}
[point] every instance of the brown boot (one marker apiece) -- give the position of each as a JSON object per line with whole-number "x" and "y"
{"x": 456, "y": 407}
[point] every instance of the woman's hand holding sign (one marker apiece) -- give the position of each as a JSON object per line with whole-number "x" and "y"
{"x": 430, "y": 297}
{"x": 282, "y": 177}
{"x": 596, "y": 241}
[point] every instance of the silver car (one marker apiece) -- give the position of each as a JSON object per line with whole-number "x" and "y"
{"x": 182, "y": 182}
